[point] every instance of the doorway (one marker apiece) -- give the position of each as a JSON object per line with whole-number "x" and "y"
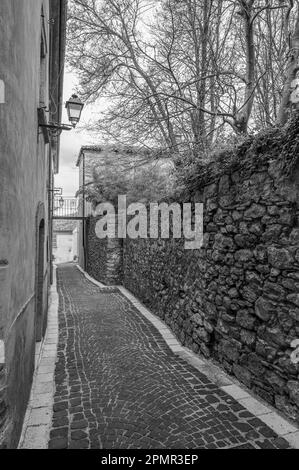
{"x": 40, "y": 282}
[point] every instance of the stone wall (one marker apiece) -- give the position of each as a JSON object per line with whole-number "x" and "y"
{"x": 237, "y": 298}
{"x": 104, "y": 257}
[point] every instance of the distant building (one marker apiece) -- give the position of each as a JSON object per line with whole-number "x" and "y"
{"x": 107, "y": 158}
{"x": 64, "y": 245}
{"x": 32, "y": 38}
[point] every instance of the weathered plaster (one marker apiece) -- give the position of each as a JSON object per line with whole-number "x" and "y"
{"x": 25, "y": 163}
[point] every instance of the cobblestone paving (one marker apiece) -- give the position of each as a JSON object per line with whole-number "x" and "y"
{"x": 118, "y": 385}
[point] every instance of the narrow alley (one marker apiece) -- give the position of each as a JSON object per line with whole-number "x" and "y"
{"x": 118, "y": 385}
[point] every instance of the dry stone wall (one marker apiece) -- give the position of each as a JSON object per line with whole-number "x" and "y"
{"x": 103, "y": 257}
{"x": 237, "y": 298}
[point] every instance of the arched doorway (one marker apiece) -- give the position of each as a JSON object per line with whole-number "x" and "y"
{"x": 40, "y": 282}
{"x": 40, "y": 273}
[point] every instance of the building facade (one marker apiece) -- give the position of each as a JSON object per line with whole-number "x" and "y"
{"x": 64, "y": 241}
{"x": 32, "y": 46}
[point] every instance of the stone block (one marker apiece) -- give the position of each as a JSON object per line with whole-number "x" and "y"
{"x": 280, "y": 258}
{"x": 245, "y": 320}
{"x": 243, "y": 256}
{"x": 242, "y": 374}
{"x": 248, "y": 337}
{"x": 264, "y": 308}
{"x": 293, "y": 388}
{"x": 255, "y": 364}
{"x": 274, "y": 291}
{"x": 282, "y": 402}
{"x": 256, "y": 211}
{"x": 230, "y": 351}
{"x": 293, "y": 298}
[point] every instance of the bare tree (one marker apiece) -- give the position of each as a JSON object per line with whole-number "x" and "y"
{"x": 180, "y": 74}
{"x": 293, "y": 62}
{"x": 106, "y": 49}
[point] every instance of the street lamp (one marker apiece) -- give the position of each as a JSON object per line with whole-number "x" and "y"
{"x": 74, "y": 108}
{"x": 58, "y": 203}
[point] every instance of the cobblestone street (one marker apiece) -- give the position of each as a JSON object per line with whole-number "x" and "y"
{"x": 119, "y": 385}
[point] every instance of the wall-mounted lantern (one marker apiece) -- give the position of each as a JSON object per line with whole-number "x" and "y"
{"x": 74, "y": 108}
{"x": 58, "y": 203}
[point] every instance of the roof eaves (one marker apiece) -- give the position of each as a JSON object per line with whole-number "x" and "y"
{"x": 88, "y": 148}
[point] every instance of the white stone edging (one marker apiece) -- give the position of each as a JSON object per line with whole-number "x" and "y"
{"x": 89, "y": 278}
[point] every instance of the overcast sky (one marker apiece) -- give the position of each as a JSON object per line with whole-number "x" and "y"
{"x": 71, "y": 142}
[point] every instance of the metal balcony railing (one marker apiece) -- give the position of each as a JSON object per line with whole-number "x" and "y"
{"x": 65, "y": 207}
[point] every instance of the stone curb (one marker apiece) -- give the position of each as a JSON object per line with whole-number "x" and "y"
{"x": 89, "y": 278}
{"x": 257, "y": 407}
{"x": 38, "y": 418}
